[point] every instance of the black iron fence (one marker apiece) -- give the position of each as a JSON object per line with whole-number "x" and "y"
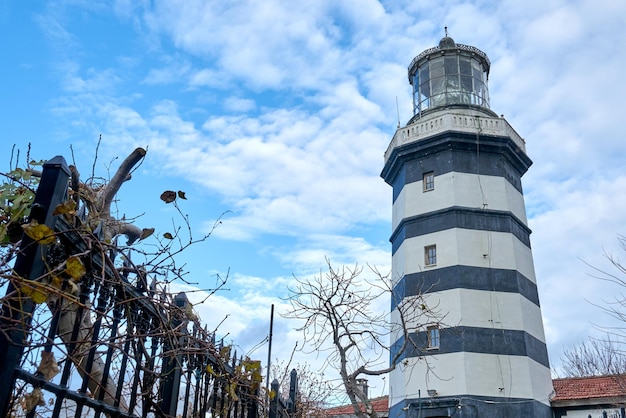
{"x": 281, "y": 407}
{"x": 110, "y": 344}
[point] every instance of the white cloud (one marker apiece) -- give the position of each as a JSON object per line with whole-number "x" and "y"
{"x": 309, "y": 255}
{"x": 580, "y": 223}
{"x": 237, "y": 104}
{"x": 172, "y": 73}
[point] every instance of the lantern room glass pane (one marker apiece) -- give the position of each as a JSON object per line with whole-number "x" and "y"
{"x": 451, "y": 65}
{"x": 424, "y": 73}
{"x": 477, "y": 71}
{"x": 436, "y": 67}
{"x": 465, "y": 67}
{"x": 437, "y": 85}
{"x": 466, "y": 83}
{"x": 448, "y": 80}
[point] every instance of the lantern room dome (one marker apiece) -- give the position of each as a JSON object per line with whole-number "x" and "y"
{"x": 447, "y": 43}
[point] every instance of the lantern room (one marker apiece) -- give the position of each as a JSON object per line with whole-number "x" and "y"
{"x": 449, "y": 74}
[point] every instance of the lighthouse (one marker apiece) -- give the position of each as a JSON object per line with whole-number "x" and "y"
{"x": 460, "y": 238}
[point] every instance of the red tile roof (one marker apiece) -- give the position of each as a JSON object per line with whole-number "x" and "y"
{"x": 589, "y": 387}
{"x": 379, "y": 404}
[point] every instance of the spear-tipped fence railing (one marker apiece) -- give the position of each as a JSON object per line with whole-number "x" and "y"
{"x": 143, "y": 355}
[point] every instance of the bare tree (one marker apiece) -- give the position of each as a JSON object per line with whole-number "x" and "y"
{"x": 346, "y": 316}
{"x": 594, "y": 357}
{"x": 615, "y": 308}
{"x": 313, "y": 391}
{"x": 606, "y": 355}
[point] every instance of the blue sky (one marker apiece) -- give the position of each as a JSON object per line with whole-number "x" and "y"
{"x": 280, "y": 112}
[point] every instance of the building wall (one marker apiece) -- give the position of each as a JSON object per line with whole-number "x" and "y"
{"x": 593, "y": 412}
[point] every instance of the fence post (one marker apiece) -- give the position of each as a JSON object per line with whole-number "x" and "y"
{"x": 29, "y": 265}
{"x": 293, "y": 392}
{"x": 172, "y": 362}
{"x": 274, "y": 399}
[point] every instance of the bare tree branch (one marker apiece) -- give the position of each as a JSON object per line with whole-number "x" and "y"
{"x": 339, "y": 312}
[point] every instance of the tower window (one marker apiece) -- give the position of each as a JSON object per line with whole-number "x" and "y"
{"x": 433, "y": 337}
{"x": 429, "y": 181}
{"x": 430, "y": 255}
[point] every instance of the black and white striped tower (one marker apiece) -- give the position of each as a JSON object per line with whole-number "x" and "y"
{"x": 460, "y": 237}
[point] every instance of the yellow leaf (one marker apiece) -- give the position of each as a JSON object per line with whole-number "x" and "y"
{"x": 35, "y": 291}
{"x": 225, "y": 352}
{"x": 209, "y": 370}
{"x": 39, "y": 297}
{"x": 56, "y": 282}
{"x": 75, "y": 268}
{"x": 40, "y": 233}
{"x": 3, "y": 233}
{"x": 66, "y": 208}
{"x": 232, "y": 388}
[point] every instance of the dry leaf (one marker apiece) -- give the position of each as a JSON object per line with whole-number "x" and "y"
{"x": 146, "y": 232}
{"x": 40, "y": 233}
{"x": 66, "y": 208}
{"x": 181, "y": 194}
{"x": 168, "y": 235}
{"x": 168, "y": 196}
{"x": 232, "y": 391}
{"x": 75, "y": 268}
{"x": 225, "y": 352}
{"x": 190, "y": 312}
{"x": 56, "y": 282}
{"x": 72, "y": 288}
{"x": 33, "y": 399}
{"x": 48, "y": 366}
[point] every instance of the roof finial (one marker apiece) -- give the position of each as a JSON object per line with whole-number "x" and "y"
{"x": 445, "y": 28}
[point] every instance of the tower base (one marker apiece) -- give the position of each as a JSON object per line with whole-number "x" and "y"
{"x": 470, "y": 406}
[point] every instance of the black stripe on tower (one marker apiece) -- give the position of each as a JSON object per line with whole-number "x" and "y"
{"x": 465, "y": 277}
{"x": 460, "y": 217}
{"x": 456, "y": 152}
{"x": 476, "y": 340}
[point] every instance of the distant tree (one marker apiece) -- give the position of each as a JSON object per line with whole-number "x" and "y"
{"x": 606, "y": 355}
{"x": 346, "y": 317}
{"x": 615, "y": 308}
{"x": 595, "y": 357}
{"x": 313, "y": 390}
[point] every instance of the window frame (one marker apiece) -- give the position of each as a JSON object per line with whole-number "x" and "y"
{"x": 428, "y": 181}
{"x": 430, "y": 255}
{"x": 433, "y": 337}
